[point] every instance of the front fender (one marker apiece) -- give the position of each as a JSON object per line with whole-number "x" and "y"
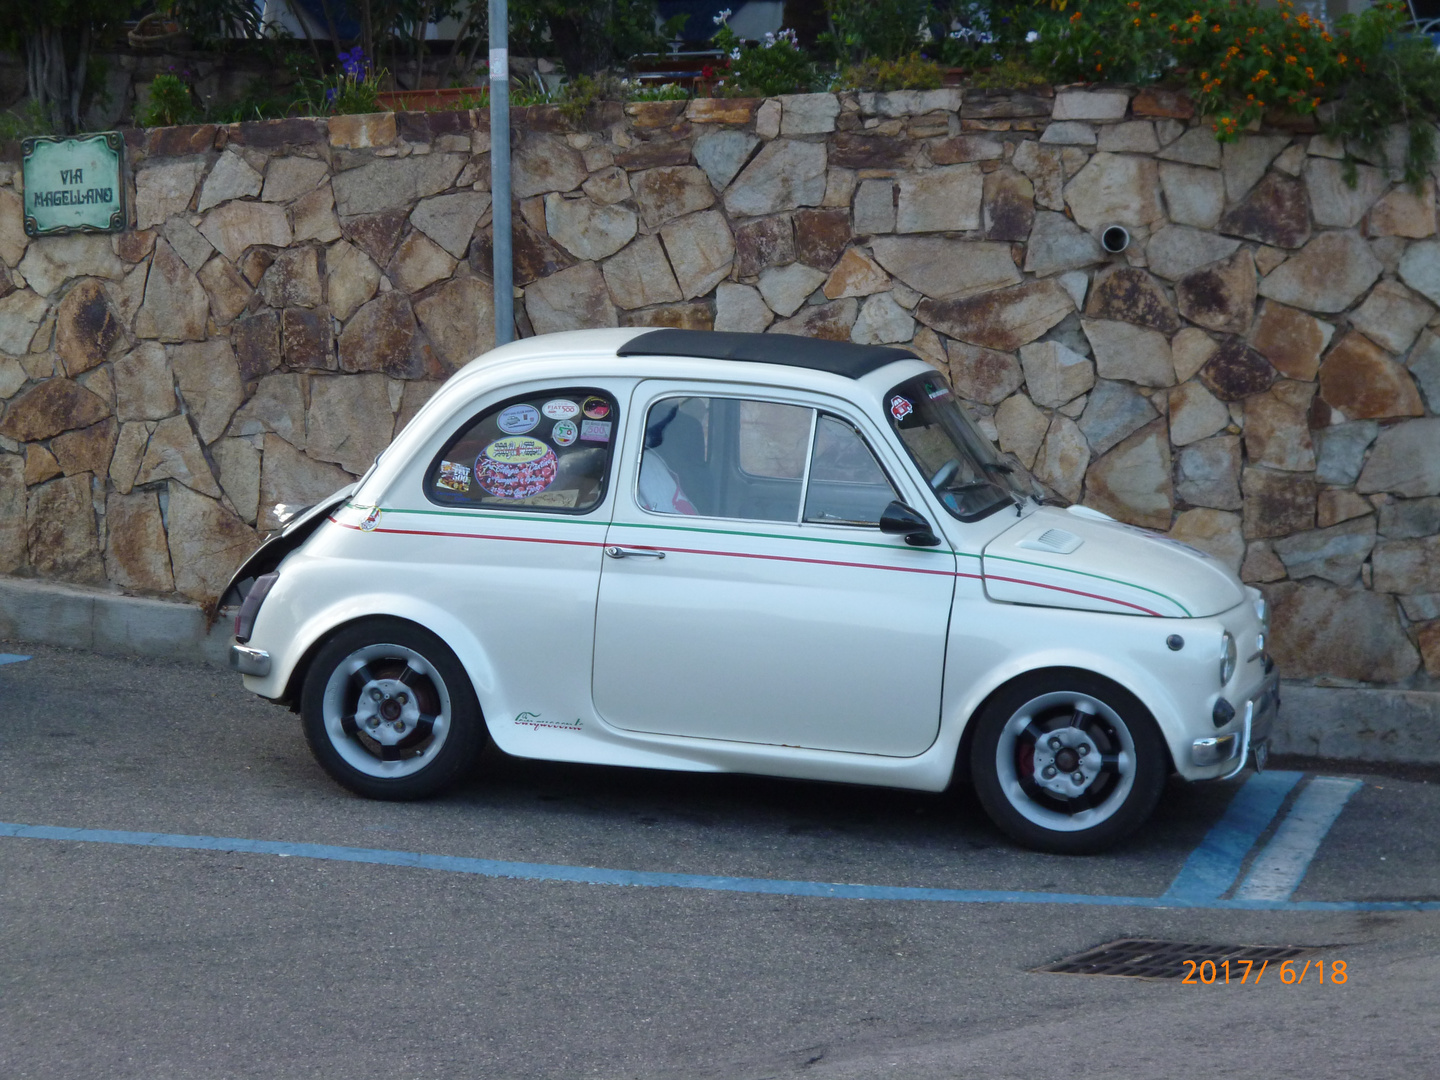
{"x": 1178, "y": 694}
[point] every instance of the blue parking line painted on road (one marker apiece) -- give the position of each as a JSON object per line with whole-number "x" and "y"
{"x": 1215, "y": 864}
{"x": 11, "y": 658}
{"x": 589, "y": 875}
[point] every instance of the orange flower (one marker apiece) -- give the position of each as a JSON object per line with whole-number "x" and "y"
{"x": 1075, "y": 17}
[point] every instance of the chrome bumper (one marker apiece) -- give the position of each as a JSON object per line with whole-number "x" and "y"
{"x": 248, "y": 661}
{"x": 1259, "y": 715}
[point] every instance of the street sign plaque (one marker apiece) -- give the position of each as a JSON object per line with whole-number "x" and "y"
{"x": 74, "y": 184}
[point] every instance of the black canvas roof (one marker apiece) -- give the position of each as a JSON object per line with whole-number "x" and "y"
{"x": 839, "y": 357}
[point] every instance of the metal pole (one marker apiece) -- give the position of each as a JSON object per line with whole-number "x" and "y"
{"x": 503, "y": 273}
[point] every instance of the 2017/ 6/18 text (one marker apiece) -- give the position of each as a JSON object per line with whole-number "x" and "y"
{"x": 1209, "y": 972}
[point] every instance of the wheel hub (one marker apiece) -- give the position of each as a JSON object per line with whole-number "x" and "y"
{"x": 1066, "y": 762}
{"x": 387, "y": 711}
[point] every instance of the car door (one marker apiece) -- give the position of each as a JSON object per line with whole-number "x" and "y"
{"x": 747, "y": 593}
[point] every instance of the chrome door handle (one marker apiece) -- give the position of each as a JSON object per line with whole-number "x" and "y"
{"x": 630, "y": 553}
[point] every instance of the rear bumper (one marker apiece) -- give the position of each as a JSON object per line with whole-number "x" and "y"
{"x": 248, "y": 661}
{"x": 1259, "y": 718}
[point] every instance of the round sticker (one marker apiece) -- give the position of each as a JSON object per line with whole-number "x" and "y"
{"x": 371, "y": 520}
{"x": 518, "y": 419}
{"x": 514, "y": 451}
{"x": 596, "y": 408}
{"x": 516, "y": 468}
{"x": 563, "y": 433}
{"x": 560, "y": 409}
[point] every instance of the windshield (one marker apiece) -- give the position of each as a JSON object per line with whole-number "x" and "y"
{"x": 961, "y": 466}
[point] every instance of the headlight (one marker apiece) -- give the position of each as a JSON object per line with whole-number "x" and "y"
{"x": 1227, "y": 657}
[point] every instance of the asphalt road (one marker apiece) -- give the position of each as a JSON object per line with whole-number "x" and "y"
{"x": 121, "y": 960}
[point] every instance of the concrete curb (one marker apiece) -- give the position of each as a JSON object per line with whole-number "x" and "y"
{"x": 47, "y": 613}
{"x": 1342, "y": 723}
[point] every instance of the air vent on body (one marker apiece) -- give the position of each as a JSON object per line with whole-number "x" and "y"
{"x": 1055, "y": 541}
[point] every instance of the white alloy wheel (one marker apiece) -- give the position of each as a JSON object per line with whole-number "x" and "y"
{"x": 389, "y": 711}
{"x": 1067, "y": 762}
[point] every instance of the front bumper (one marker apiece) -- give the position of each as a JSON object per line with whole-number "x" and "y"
{"x": 248, "y": 661}
{"x": 1259, "y": 712}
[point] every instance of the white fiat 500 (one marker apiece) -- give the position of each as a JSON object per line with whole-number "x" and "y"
{"x": 747, "y": 553}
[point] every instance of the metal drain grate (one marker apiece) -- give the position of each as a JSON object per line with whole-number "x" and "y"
{"x": 1138, "y": 958}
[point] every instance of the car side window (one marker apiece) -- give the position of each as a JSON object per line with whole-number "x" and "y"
{"x": 847, "y": 485}
{"x": 548, "y": 450}
{"x": 724, "y": 457}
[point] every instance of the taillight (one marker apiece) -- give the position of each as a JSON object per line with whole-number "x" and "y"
{"x": 245, "y": 621}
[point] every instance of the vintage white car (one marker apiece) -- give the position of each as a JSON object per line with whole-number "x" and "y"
{"x": 747, "y": 553}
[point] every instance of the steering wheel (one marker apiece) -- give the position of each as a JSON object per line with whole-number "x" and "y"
{"x": 944, "y": 474}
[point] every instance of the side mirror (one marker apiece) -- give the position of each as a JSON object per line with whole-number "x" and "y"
{"x": 911, "y": 524}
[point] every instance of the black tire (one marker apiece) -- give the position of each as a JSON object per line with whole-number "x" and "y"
{"x": 1106, "y": 737}
{"x": 389, "y": 711}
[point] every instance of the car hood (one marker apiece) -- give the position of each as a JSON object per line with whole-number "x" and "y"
{"x": 1080, "y": 559}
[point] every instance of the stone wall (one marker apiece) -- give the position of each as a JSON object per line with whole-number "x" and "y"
{"x": 1257, "y": 374}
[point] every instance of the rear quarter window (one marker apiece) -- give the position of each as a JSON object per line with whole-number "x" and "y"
{"x": 548, "y": 451}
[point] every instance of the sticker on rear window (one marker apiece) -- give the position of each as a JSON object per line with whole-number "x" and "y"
{"x": 934, "y": 392}
{"x": 595, "y": 431}
{"x": 596, "y": 408}
{"x": 518, "y": 419}
{"x": 516, "y": 468}
{"x": 560, "y": 409}
{"x": 900, "y": 407}
{"x": 563, "y": 433}
{"x": 453, "y": 476}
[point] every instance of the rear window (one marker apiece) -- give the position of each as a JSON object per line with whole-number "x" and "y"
{"x": 546, "y": 451}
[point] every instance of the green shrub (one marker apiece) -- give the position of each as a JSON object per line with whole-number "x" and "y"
{"x": 170, "y": 103}
{"x": 913, "y": 72}
{"x": 887, "y": 29}
{"x": 775, "y": 66}
{"x": 33, "y": 119}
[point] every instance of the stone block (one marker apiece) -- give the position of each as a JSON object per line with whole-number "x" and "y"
{"x": 832, "y": 321}
{"x": 1405, "y": 461}
{"x": 391, "y": 183}
{"x": 1277, "y": 503}
{"x": 701, "y": 250}
{"x": 1113, "y": 412}
{"x": 1208, "y": 473}
{"x": 1115, "y": 189}
{"x": 1004, "y": 319}
{"x": 588, "y": 230}
{"x": 576, "y": 299}
{"x": 740, "y": 308}
{"x": 784, "y": 175}
{"x": 459, "y": 319}
{"x": 1175, "y": 250}
{"x": 722, "y": 154}
{"x": 1362, "y": 382}
{"x": 207, "y": 543}
{"x": 1392, "y": 316}
{"x": 945, "y": 199}
{"x": 1318, "y": 630}
{"x": 85, "y": 328}
{"x": 1290, "y": 339}
{"x": 1214, "y": 532}
{"x": 1276, "y": 212}
{"x": 1126, "y": 351}
{"x": 136, "y": 553}
{"x": 60, "y": 531}
{"x": 1329, "y": 274}
{"x": 1220, "y": 296}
